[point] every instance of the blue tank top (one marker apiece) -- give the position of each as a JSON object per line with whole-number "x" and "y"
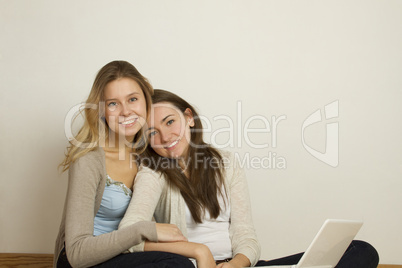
{"x": 115, "y": 201}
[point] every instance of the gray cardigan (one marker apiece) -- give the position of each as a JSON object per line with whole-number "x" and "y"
{"x": 86, "y": 183}
{"x": 153, "y": 197}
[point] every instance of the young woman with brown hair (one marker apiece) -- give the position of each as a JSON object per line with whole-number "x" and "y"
{"x": 196, "y": 187}
{"x": 202, "y": 190}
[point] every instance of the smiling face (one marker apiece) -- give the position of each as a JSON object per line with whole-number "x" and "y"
{"x": 169, "y": 130}
{"x": 125, "y": 107}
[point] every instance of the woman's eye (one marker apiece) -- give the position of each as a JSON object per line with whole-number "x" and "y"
{"x": 112, "y": 104}
{"x": 152, "y": 133}
{"x": 133, "y": 99}
{"x": 170, "y": 122}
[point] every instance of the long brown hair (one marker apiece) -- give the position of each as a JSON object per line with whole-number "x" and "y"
{"x": 95, "y": 127}
{"x": 205, "y": 178}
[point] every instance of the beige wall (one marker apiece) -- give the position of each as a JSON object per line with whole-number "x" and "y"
{"x": 278, "y": 58}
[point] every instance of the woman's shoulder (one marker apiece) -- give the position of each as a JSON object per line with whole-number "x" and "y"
{"x": 95, "y": 154}
{"x": 147, "y": 177}
{"x": 228, "y": 158}
{"x": 233, "y": 169}
{"x": 95, "y": 157}
{"x": 146, "y": 171}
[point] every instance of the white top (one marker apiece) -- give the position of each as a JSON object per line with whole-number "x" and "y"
{"x": 213, "y": 233}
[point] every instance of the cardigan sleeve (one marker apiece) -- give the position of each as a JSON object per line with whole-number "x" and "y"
{"x": 241, "y": 230}
{"x": 82, "y": 248}
{"x": 148, "y": 187}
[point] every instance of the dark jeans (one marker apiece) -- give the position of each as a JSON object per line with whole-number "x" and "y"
{"x": 358, "y": 255}
{"x": 151, "y": 259}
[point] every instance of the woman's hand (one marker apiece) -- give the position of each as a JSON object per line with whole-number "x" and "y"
{"x": 238, "y": 261}
{"x": 169, "y": 233}
{"x": 204, "y": 257}
{"x": 199, "y": 252}
{"x": 226, "y": 265}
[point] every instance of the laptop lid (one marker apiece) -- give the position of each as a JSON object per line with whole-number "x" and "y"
{"x": 330, "y": 244}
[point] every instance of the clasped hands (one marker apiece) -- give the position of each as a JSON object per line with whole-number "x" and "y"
{"x": 202, "y": 254}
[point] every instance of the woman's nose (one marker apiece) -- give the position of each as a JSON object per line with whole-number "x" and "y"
{"x": 165, "y": 136}
{"x": 125, "y": 110}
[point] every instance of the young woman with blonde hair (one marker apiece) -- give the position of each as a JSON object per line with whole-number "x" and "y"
{"x": 101, "y": 177}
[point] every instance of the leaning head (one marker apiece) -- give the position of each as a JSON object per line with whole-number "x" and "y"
{"x": 174, "y": 127}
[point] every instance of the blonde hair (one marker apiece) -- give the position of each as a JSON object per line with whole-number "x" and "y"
{"x": 95, "y": 127}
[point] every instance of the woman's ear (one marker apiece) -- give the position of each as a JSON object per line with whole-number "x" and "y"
{"x": 188, "y": 114}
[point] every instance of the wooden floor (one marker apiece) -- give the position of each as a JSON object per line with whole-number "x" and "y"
{"x": 26, "y": 260}
{"x": 21, "y": 260}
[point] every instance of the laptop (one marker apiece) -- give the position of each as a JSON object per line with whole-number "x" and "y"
{"x": 328, "y": 246}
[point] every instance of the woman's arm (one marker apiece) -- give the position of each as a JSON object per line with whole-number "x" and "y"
{"x": 238, "y": 261}
{"x": 82, "y": 248}
{"x": 148, "y": 186}
{"x": 147, "y": 190}
{"x": 242, "y": 232}
{"x": 199, "y": 252}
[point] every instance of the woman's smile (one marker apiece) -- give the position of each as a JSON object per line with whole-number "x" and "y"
{"x": 129, "y": 122}
{"x": 172, "y": 145}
